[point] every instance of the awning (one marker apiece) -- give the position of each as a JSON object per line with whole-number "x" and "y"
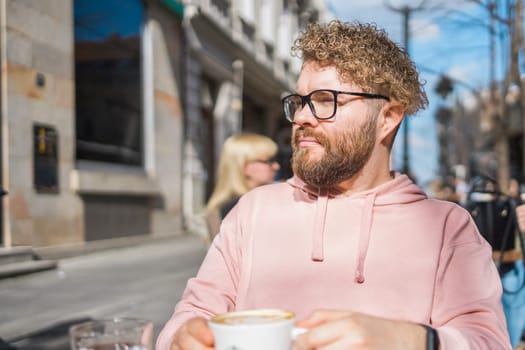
{"x": 175, "y": 6}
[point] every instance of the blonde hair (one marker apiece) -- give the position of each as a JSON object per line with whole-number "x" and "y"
{"x": 363, "y": 54}
{"x": 236, "y": 151}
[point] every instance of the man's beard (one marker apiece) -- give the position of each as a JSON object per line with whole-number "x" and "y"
{"x": 342, "y": 160}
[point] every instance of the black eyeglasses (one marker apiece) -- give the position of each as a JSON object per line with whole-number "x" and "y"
{"x": 322, "y": 103}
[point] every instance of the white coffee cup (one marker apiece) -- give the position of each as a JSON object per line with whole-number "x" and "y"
{"x": 261, "y": 329}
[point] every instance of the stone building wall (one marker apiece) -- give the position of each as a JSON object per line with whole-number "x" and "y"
{"x": 39, "y": 60}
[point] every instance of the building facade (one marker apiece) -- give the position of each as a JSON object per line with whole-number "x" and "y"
{"x": 113, "y": 112}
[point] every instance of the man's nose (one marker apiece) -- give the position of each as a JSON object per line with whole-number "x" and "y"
{"x": 305, "y": 116}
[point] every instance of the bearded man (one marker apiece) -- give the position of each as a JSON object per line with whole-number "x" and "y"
{"x": 358, "y": 252}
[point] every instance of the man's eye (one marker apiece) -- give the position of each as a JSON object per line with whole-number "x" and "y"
{"x": 324, "y": 98}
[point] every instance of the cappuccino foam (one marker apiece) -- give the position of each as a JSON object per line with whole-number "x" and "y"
{"x": 251, "y": 319}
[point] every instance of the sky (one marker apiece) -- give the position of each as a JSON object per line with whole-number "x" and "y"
{"x": 446, "y": 36}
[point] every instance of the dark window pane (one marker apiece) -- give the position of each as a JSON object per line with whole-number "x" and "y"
{"x": 108, "y": 80}
{"x": 45, "y": 153}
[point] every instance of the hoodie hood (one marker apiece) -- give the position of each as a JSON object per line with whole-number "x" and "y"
{"x": 400, "y": 190}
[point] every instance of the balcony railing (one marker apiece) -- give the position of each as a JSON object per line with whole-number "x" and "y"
{"x": 221, "y": 6}
{"x": 271, "y": 50}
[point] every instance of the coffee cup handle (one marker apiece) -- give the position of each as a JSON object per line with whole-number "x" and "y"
{"x": 297, "y": 331}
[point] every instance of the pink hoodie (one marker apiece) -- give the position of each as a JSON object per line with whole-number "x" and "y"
{"x": 388, "y": 252}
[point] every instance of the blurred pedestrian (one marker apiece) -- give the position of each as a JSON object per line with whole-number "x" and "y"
{"x": 514, "y": 303}
{"x": 496, "y": 214}
{"x": 247, "y": 160}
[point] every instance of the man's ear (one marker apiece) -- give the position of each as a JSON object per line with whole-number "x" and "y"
{"x": 393, "y": 114}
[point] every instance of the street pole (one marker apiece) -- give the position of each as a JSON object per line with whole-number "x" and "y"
{"x": 521, "y": 46}
{"x": 406, "y": 34}
{"x": 406, "y": 11}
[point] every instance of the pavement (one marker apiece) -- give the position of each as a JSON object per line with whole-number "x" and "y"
{"x": 144, "y": 280}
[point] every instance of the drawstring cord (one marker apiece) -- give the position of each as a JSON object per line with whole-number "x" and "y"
{"x": 319, "y": 226}
{"x": 364, "y": 237}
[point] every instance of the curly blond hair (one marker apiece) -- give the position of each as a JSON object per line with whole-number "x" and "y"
{"x": 365, "y": 55}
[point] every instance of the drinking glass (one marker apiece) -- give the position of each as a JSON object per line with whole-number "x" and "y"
{"x": 112, "y": 334}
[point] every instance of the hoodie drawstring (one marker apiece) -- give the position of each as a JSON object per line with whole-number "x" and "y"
{"x": 319, "y": 227}
{"x": 400, "y": 190}
{"x": 364, "y": 237}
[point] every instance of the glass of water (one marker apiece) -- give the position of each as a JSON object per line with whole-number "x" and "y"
{"x": 112, "y": 334}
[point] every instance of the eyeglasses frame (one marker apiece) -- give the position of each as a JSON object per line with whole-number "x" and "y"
{"x": 306, "y": 99}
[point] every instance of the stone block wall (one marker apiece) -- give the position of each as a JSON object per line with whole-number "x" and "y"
{"x": 39, "y": 61}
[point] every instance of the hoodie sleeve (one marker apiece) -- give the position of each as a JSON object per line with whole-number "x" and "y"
{"x": 467, "y": 308}
{"x": 213, "y": 290}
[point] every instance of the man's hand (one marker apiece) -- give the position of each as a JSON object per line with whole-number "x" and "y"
{"x": 193, "y": 335}
{"x": 351, "y": 330}
{"x": 520, "y": 214}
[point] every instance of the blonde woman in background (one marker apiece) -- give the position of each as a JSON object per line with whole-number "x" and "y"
{"x": 247, "y": 160}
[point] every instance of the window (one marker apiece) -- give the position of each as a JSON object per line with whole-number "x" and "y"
{"x": 108, "y": 80}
